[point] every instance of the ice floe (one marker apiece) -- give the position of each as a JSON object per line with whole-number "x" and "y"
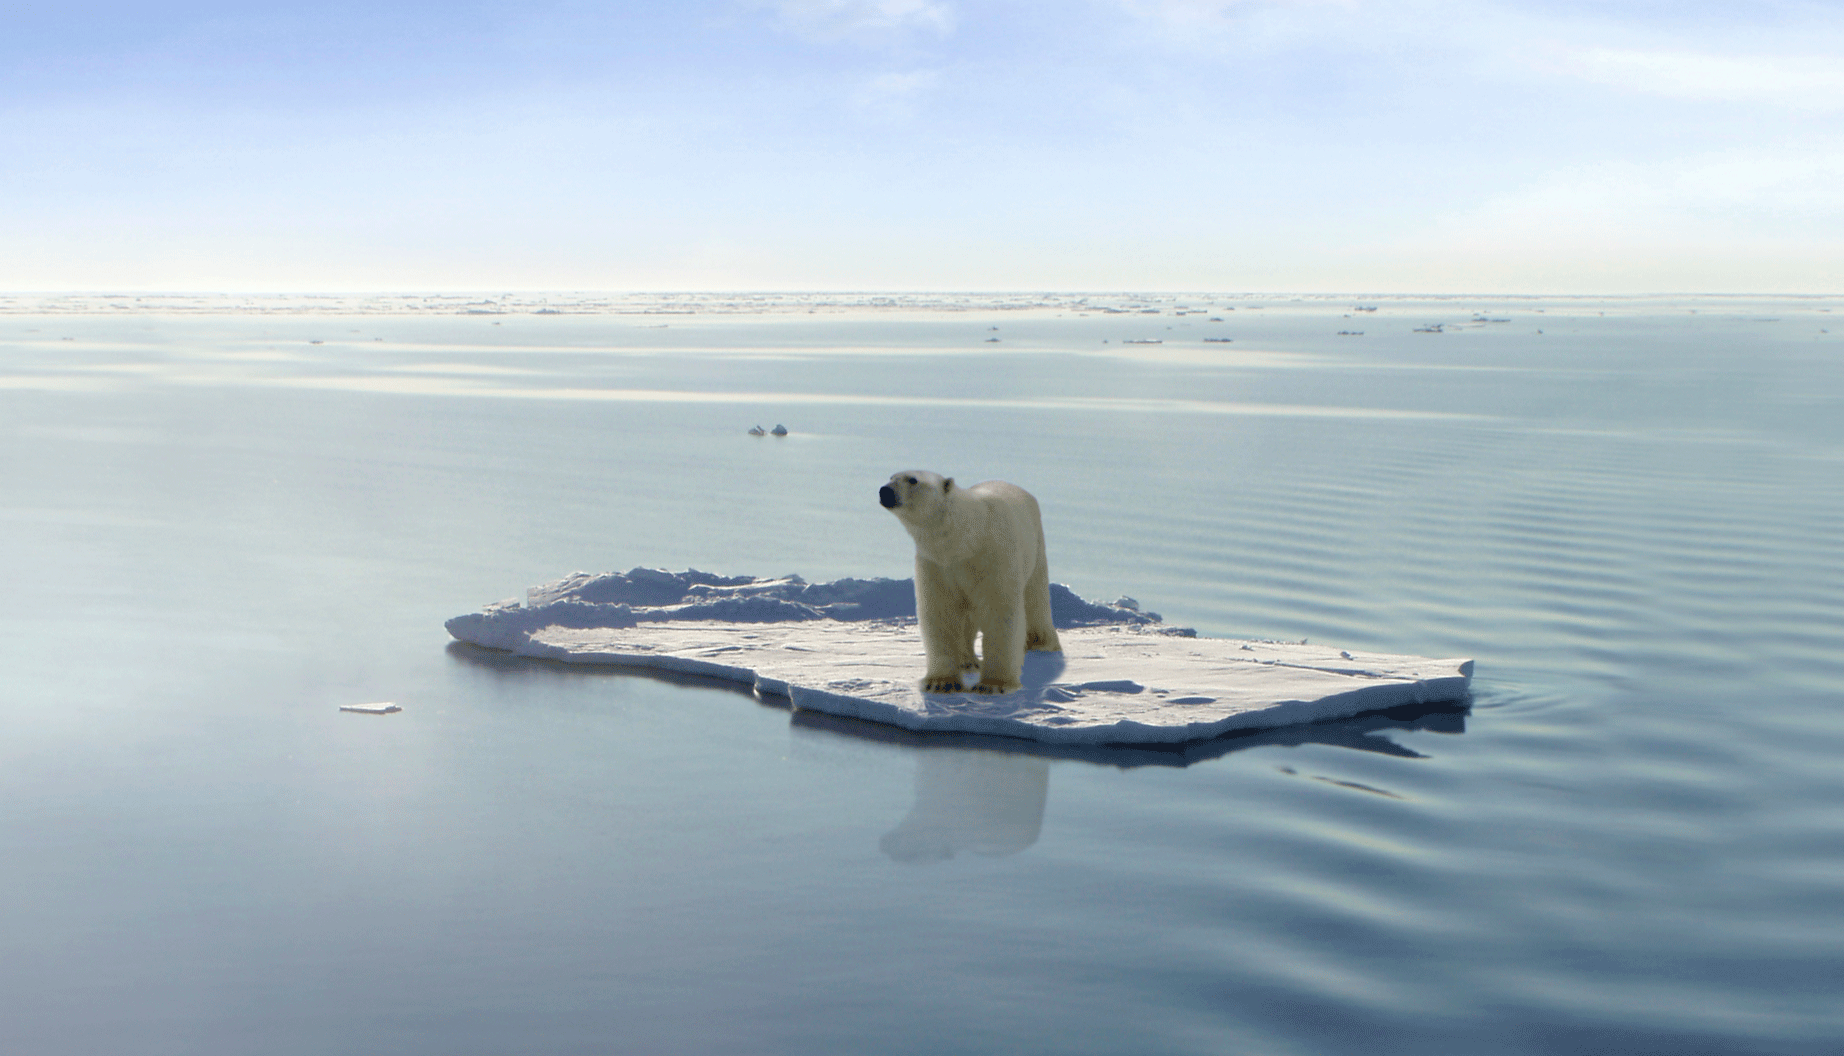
{"x": 850, "y": 648}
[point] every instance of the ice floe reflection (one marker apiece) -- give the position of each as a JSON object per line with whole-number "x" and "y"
{"x": 984, "y": 795}
{"x": 971, "y": 801}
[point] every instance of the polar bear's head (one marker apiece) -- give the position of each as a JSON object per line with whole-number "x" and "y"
{"x": 914, "y": 493}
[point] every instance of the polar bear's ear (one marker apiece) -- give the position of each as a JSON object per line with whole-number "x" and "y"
{"x": 947, "y": 485}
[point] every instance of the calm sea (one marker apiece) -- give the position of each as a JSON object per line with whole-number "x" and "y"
{"x": 221, "y": 520}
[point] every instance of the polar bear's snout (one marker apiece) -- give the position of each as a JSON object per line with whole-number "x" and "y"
{"x": 887, "y": 496}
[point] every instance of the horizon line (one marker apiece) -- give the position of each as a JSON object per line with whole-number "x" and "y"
{"x": 872, "y": 292}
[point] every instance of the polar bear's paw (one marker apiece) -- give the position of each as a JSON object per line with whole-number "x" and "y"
{"x": 993, "y": 689}
{"x": 943, "y": 684}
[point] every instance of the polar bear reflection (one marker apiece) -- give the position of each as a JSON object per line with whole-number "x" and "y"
{"x": 989, "y": 803}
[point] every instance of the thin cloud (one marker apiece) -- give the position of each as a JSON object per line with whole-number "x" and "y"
{"x": 1800, "y": 82}
{"x": 896, "y": 95}
{"x": 860, "y": 19}
{"x": 1711, "y": 199}
{"x": 1201, "y": 14}
{"x": 1191, "y": 23}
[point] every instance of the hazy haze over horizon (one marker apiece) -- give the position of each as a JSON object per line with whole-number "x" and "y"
{"x": 1419, "y": 145}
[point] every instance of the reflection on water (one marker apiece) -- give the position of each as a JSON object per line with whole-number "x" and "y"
{"x": 985, "y": 795}
{"x": 1361, "y": 733}
{"x": 989, "y": 800}
{"x": 980, "y": 802}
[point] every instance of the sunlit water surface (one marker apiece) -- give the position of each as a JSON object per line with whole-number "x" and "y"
{"x": 216, "y": 528}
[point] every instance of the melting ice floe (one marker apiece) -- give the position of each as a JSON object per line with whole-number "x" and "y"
{"x": 850, "y": 648}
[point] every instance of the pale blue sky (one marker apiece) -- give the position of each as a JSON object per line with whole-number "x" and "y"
{"x": 1352, "y": 145}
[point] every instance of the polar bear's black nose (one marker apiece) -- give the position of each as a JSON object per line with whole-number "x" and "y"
{"x": 887, "y": 496}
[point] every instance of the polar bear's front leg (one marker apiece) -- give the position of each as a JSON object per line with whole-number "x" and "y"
{"x": 1002, "y": 649}
{"x": 947, "y": 630}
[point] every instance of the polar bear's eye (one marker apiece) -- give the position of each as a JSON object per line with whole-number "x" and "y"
{"x": 910, "y": 480}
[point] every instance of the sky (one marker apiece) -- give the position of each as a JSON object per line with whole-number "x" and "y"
{"x": 1410, "y": 146}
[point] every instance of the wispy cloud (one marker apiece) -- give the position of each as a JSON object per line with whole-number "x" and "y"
{"x": 1743, "y": 57}
{"x": 1693, "y": 207}
{"x": 1207, "y": 14}
{"x": 1800, "y": 82}
{"x": 896, "y": 95}
{"x": 862, "y": 19}
{"x": 1211, "y": 23}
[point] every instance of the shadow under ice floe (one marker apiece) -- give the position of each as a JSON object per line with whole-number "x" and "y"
{"x": 849, "y": 649}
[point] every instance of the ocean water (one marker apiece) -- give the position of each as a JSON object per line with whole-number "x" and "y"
{"x": 222, "y": 519}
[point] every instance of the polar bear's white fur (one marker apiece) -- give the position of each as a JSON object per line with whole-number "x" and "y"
{"x": 980, "y": 567}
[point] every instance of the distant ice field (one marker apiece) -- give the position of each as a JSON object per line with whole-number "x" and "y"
{"x": 225, "y": 518}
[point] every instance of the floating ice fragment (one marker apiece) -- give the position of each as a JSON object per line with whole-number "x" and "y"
{"x": 382, "y": 708}
{"x": 851, "y": 649}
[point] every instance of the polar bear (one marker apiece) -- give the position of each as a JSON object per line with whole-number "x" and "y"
{"x": 979, "y": 568}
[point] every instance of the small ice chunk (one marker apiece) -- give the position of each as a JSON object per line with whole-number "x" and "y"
{"x": 381, "y": 708}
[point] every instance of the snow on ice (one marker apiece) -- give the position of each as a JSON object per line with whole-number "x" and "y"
{"x": 850, "y": 648}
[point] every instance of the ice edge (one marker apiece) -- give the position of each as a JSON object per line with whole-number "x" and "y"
{"x": 511, "y": 628}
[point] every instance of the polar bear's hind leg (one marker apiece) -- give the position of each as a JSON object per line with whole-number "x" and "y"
{"x": 1039, "y": 629}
